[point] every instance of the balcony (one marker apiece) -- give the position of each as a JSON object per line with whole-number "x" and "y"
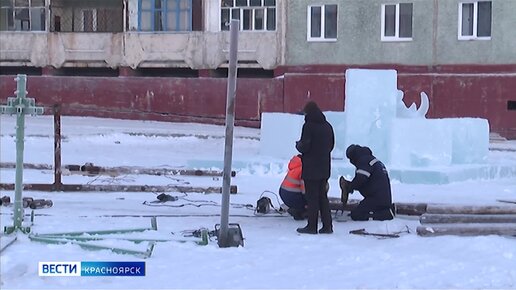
{"x": 95, "y": 34}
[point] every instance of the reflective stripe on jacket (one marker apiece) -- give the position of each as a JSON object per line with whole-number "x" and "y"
{"x": 293, "y": 182}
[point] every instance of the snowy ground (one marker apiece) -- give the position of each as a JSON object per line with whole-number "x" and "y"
{"x": 274, "y": 256}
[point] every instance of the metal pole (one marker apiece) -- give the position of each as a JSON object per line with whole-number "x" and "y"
{"x": 20, "y": 131}
{"x": 57, "y": 148}
{"x": 230, "y": 120}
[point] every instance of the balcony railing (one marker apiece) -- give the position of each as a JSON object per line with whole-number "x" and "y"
{"x": 86, "y": 16}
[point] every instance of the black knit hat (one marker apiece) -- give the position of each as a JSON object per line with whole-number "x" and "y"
{"x": 351, "y": 150}
{"x": 311, "y": 107}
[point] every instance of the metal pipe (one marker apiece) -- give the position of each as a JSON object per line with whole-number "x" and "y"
{"x": 230, "y": 120}
{"x": 21, "y": 93}
{"x": 143, "y": 254}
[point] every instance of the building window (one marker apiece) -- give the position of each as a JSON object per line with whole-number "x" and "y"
{"x": 89, "y": 20}
{"x": 397, "y": 22}
{"x": 475, "y": 20}
{"x": 22, "y": 15}
{"x": 82, "y": 16}
{"x": 322, "y": 23}
{"x": 254, "y": 15}
{"x": 165, "y": 15}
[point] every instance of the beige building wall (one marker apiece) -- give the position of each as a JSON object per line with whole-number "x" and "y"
{"x": 196, "y": 50}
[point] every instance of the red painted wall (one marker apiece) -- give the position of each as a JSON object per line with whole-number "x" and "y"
{"x": 454, "y": 91}
{"x": 165, "y": 99}
{"x": 477, "y": 95}
{"x": 326, "y": 90}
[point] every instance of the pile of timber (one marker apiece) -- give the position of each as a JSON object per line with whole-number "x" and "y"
{"x": 442, "y": 220}
{"x": 461, "y": 220}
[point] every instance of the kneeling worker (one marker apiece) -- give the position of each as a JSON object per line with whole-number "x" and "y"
{"x": 372, "y": 181}
{"x": 292, "y": 189}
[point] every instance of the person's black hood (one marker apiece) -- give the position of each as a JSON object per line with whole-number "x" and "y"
{"x": 354, "y": 152}
{"x": 313, "y": 113}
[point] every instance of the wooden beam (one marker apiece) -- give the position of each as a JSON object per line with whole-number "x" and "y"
{"x": 467, "y": 230}
{"x": 117, "y": 188}
{"x": 412, "y": 209}
{"x": 470, "y": 209}
{"x": 100, "y": 170}
{"x": 12, "y": 165}
{"x": 466, "y": 218}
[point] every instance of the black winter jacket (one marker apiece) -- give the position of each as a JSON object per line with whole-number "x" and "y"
{"x": 316, "y": 143}
{"x": 371, "y": 177}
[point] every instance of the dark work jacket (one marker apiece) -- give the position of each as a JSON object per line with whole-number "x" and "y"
{"x": 371, "y": 177}
{"x": 316, "y": 143}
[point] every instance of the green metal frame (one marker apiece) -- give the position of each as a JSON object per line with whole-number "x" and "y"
{"x": 21, "y": 106}
{"x": 78, "y": 238}
{"x": 54, "y": 240}
{"x": 81, "y": 238}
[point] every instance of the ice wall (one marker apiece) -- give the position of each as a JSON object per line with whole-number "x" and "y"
{"x": 376, "y": 116}
{"x": 279, "y": 133}
{"x": 370, "y": 107}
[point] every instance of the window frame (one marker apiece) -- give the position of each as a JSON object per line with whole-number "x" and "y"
{"x": 252, "y": 10}
{"x": 396, "y": 37}
{"x": 322, "y": 38}
{"x": 93, "y": 20}
{"x": 11, "y": 15}
{"x": 164, "y": 11}
{"x": 474, "y": 36}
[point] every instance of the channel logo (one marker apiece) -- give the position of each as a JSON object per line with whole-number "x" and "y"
{"x": 62, "y": 269}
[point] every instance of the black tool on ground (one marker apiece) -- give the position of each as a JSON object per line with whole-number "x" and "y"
{"x": 263, "y": 205}
{"x": 198, "y": 233}
{"x": 5, "y": 201}
{"x": 41, "y": 203}
{"x": 235, "y": 236}
{"x": 363, "y": 232}
{"x": 166, "y": 197}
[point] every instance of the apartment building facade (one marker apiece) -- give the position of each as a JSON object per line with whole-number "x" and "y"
{"x": 167, "y": 59}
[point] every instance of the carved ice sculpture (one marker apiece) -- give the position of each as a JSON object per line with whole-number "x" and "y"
{"x": 376, "y": 116}
{"x": 412, "y": 112}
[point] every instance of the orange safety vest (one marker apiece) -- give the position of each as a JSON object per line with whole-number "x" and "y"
{"x": 293, "y": 181}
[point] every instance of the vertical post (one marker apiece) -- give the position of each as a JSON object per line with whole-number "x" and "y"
{"x": 21, "y": 93}
{"x": 21, "y": 106}
{"x": 223, "y": 239}
{"x": 57, "y": 148}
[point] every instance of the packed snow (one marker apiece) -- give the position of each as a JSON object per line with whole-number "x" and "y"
{"x": 274, "y": 254}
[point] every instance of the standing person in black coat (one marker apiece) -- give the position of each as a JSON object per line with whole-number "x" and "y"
{"x": 372, "y": 181}
{"x": 316, "y": 143}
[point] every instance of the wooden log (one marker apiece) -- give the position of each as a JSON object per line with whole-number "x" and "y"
{"x": 466, "y": 218}
{"x": 118, "y": 188}
{"x": 336, "y": 204}
{"x": 412, "y": 209}
{"x": 99, "y": 170}
{"x": 470, "y": 209}
{"x": 12, "y": 165}
{"x": 467, "y": 230}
